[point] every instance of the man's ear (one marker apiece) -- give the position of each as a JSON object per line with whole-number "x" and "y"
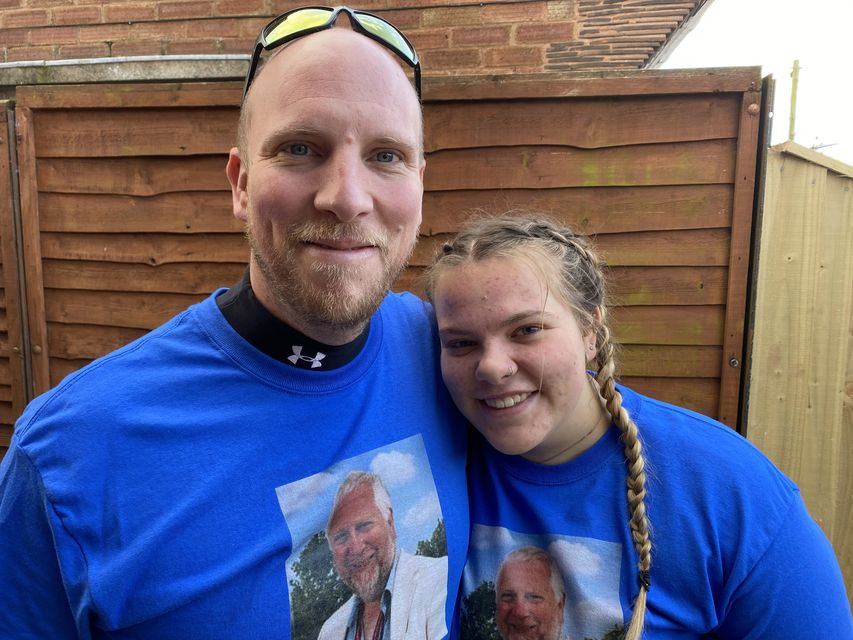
{"x": 238, "y": 177}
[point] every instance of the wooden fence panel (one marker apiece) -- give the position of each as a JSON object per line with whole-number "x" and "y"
{"x": 130, "y": 214}
{"x": 801, "y": 374}
{"x": 12, "y": 347}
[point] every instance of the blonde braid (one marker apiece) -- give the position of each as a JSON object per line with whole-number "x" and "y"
{"x": 636, "y": 481}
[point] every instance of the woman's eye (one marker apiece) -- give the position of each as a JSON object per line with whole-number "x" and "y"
{"x": 457, "y": 344}
{"x": 529, "y": 330}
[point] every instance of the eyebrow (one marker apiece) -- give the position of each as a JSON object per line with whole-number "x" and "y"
{"x": 538, "y": 314}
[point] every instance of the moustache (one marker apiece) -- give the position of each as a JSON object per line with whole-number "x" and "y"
{"x": 350, "y": 232}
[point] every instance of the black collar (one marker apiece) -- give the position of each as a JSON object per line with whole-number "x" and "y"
{"x": 248, "y": 317}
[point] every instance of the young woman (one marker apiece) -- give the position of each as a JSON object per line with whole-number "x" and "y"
{"x": 664, "y": 523}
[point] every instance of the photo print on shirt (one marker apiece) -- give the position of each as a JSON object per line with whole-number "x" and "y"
{"x": 365, "y": 533}
{"x": 524, "y": 598}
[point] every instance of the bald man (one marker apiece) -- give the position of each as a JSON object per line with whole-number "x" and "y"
{"x": 138, "y": 498}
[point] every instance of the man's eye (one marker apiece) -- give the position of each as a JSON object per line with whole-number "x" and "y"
{"x": 386, "y": 156}
{"x": 298, "y": 149}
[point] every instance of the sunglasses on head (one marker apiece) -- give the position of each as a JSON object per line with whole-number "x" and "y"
{"x": 305, "y": 20}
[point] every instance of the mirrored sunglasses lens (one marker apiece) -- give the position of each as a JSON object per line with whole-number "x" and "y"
{"x": 388, "y": 33}
{"x": 296, "y": 22}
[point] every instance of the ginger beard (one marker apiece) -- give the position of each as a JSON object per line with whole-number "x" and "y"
{"x": 341, "y": 296}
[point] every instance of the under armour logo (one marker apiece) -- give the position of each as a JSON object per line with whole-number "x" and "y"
{"x": 297, "y": 356}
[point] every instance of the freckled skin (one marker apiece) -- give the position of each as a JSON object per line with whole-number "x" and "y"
{"x": 505, "y": 335}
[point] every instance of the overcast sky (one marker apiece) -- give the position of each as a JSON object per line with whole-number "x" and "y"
{"x": 772, "y": 34}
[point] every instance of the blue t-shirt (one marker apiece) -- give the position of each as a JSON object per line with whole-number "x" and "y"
{"x": 734, "y": 552}
{"x": 179, "y": 487}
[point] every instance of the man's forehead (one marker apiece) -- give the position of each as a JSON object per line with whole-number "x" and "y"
{"x": 320, "y": 53}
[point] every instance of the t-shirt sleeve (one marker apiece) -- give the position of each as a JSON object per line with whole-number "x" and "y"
{"x": 794, "y": 591}
{"x": 34, "y": 602}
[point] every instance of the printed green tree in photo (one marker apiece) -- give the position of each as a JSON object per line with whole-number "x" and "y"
{"x": 436, "y": 546}
{"x": 316, "y": 592}
{"x": 477, "y": 621}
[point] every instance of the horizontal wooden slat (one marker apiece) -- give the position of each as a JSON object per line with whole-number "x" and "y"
{"x": 634, "y": 286}
{"x": 7, "y": 419}
{"x": 708, "y": 247}
{"x": 669, "y": 325}
{"x": 60, "y": 368}
{"x": 132, "y": 176}
{"x": 589, "y": 210}
{"x": 118, "y": 96}
{"x": 193, "y": 277}
{"x": 698, "y": 394}
{"x": 86, "y": 341}
{"x": 148, "y": 248}
{"x": 601, "y": 83}
{"x": 98, "y": 133}
{"x": 665, "y": 361}
{"x": 184, "y": 212}
{"x": 668, "y": 285}
{"x": 584, "y": 123}
{"x": 133, "y": 310}
{"x": 547, "y": 167}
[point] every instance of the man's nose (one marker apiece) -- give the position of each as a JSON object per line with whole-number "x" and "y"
{"x": 495, "y": 365}
{"x": 344, "y": 190}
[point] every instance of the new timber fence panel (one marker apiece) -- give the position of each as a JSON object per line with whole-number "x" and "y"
{"x": 801, "y": 374}
{"x": 129, "y": 211}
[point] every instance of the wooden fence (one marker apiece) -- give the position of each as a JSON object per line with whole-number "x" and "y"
{"x": 126, "y": 211}
{"x": 800, "y": 398}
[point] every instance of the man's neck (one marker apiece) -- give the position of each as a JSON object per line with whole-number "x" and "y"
{"x": 370, "y": 618}
{"x": 321, "y": 332}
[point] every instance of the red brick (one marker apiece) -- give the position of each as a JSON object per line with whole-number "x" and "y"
{"x": 46, "y": 3}
{"x": 404, "y": 19}
{"x": 93, "y": 50}
{"x": 513, "y": 56}
{"x": 523, "y": 12}
{"x": 236, "y": 45}
{"x": 158, "y": 30}
{"x": 451, "y": 60}
{"x": 219, "y": 28}
{"x": 103, "y": 33}
{"x": 206, "y": 46}
{"x": 20, "y": 54}
{"x": 544, "y": 33}
{"x": 136, "y": 48}
{"x": 239, "y": 8}
{"x": 15, "y": 37}
{"x": 25, "y": 18}
{"x": 454, "y": 17}
{"x": 54, "y": 35}
{"x": 76, "y": 15}
{"x": 126, "y": 12}
{"x": 192, "y": 9}
{"x": 474, "y": 36}
{"x": 251, "y": 27}
{"x": 430, "y": 39}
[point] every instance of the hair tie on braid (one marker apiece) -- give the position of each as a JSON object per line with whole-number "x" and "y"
{"x": 645, "y": 580}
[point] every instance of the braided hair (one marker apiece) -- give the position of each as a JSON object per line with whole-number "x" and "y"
{"x": 578, "y": 278}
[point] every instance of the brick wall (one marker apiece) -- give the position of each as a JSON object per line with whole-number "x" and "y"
{"x": 452, "y": 36}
